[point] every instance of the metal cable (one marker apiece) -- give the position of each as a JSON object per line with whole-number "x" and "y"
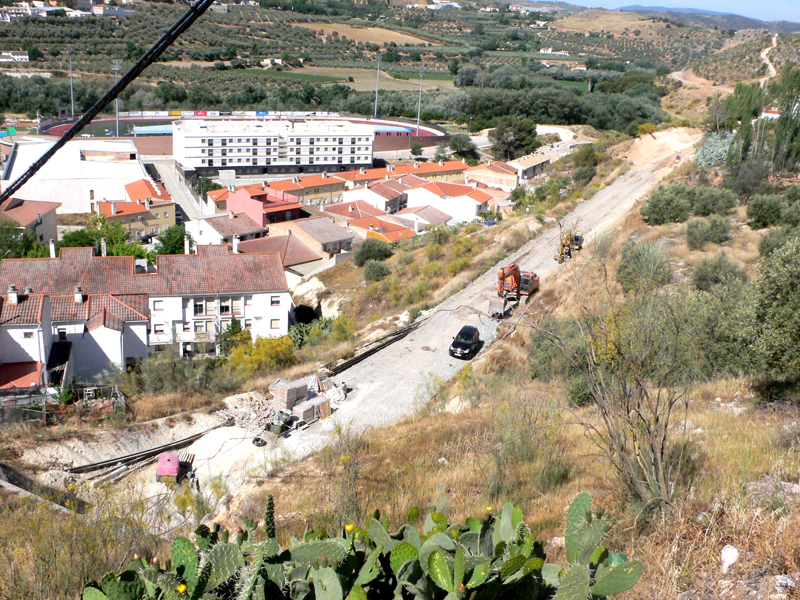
{"x": 186, "y": 21}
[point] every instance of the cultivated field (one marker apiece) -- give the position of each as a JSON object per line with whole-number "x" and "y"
{"x": 611, "y": 21}
{"x": 364, "y": 79}
{"x": 375, "y": 35}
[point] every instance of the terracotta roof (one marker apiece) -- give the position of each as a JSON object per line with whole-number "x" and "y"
{"x": 389, "y": 189}
{"x": 240, "y": 224}
{"x": 390, "y": 230}
{"x": 20, "y": 375}
{"x": 28, "y": 310}
{"x": 499, "y": 167}
{"x": 25, "y": 212}
{"x": 219, "y": 195}
{"x": 455, "y": 190}
{"x": 291, "y": 250}
{"x": 420, "y": 169}
{"x": 432, "y": 215}
{"x": 144, "y": 188}
{"x": 122, "y": 208}
{"x": 303, "y": 183}
{"x": 64, "y": 308}
{"x": 530, "y": 160}
{"x": 360, "y": 209}
{"x": 213, "y": 270}
{"x": 321, "y": 229}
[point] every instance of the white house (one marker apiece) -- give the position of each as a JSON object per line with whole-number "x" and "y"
{"x": 389, "y": 195}
{"x": 109, "y": 315}
{"x": 12, "y": 56}
{"x": 222, "y": 229}
{"x": 463, "y": 203}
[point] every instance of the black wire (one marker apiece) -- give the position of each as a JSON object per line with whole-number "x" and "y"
{"x": 186, "y": 21}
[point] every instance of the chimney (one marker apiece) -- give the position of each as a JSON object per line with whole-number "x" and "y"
{"x": 489, "y": 164}
{"x": 416, "y": 165}
{"x": 351, "y": 208}
{"x": 441, "y": 163}
{"x": 236, "y": 244}
{"x": 147, "y": 203}
{"x": 38, "y": 218}
{"x": 371, "y": 227}
{"x": 52, "y": 248}
{"x": 416, "y": 225}
{"x": 295, "y": 180}
{"x": 230, "y": 214}
{"x": 288, "y": 232}
{"x": 103, "y": 247}
{"x": 324, "y": 174}
{"x": 362, "y": 170}
{"x": 113, "y": 208}
{"x": 78, "y": 294}
{"x": 13, "y": 297}
{"x": 186, "y": 245}
{"x": 28, "y": 290}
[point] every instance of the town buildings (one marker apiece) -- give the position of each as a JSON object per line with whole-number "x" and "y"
{"x": 463, "y": 203}
{"x": 320, "y": 234}
{"x": 204, "y": 148}
{"x": 264, "y": 205}
{"x": 105, "y": 315}
{"x": 224, "y": 229}
{"x": 148, "y": 212}
{"x": 30, "y": 215}
{"x": 297, "y": 258}
{"x": 494, "y": 174}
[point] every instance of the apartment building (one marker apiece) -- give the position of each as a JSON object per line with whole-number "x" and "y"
{"x": 107, "y": 315}
{"x": 463, "y": 203}
{"x": 148, "y": 212}
{"x": 320, "y": 234}
{"x": 203, "y": 148}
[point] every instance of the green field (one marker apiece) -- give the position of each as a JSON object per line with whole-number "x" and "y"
{"x": 296, "y": 75}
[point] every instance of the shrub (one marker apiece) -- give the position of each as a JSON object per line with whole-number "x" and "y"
{"x": 713, "y": 271}
{"x": 406, "y": 258}
{"x": 265, "y": 354}
{"x": 790, "y": 215}
{"x": 775, "y": 238}
{"x": 713, "y": 201}
{"x": 546, "y": 360}
{"x": 433, "y": 252}
{"x": 764, "y": 211}
{"x": 375, "y": 270}
{"x": 643, "y": 266}
{"x": 417, "y": 293}
{"x": 439, "y": 235}
{"x": 714, "y": 230}
{"x": 371, "y": 249}
{"x": 578, "y": 390}
{"x": 647, "y": 128}
{"x": 432, "y": 270}
{"x": 583, "y": 175}
{"x": 458, "y": 265}
{"x": 668, "y": 205}
{"x": 462, "y": 247}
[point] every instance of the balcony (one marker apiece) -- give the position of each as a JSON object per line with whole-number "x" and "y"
{"x": 160, "y": 338}
{"x": 199, "y": 336}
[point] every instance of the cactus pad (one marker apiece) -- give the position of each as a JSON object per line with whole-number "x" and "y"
{"x": 439, "y": 571}
{"x": 574, "y": 585}
{"x": 380, "y": 536}
{"x": 225, "y": 560}
{"x": 402, "y": 553}
{"x": 413, "y": 515}
{"x": 327, "y": 585}
{"x": 511, "y": 566}
{"x": 333, "y": 549}
{"x": 92, "y": 593}
{"x": 617, "y": 579}
{"x": 125, "y": 586}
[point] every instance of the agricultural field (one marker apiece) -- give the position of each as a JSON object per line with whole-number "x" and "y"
{"x": 738, "y": 63}
{"x": 375, "y": 35}
{"x": 364, "y": 79}
{"x": 300, "y": 75}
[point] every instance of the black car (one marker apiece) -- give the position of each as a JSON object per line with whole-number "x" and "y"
{"x": 466, "y": 343}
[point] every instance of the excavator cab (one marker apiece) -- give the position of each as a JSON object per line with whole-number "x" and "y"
{"x": 571, "y": 241}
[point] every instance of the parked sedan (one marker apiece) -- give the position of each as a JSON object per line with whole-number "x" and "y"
{"x": 466, "y": 343}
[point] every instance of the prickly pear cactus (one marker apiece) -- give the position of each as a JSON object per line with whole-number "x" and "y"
{"x": 334, "y": 550}
{"x": 269, "y": 518}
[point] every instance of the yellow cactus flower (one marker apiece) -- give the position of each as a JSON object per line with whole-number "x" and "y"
{"x": 488, "y": 509}
{"x": 182, "y": 588}
{"x": 349, "y": 528}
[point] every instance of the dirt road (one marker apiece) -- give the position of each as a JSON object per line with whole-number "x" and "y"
{"x": 687, "y": 77}
{"x": 771, "y": 72}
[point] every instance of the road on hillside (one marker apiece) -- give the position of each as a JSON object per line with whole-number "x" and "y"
{"x": 393, "y": 382}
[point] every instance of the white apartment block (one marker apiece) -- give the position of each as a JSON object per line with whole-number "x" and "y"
{"x": 203, "y": 148}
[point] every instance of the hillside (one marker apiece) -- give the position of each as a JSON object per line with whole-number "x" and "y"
{"x": 711, "y": 19}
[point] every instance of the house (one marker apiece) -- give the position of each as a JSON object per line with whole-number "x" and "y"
{"x": 382, "y": 229}
{"x": 344, "y": 212}
{"x": 314, "y": 189}
{"x": 111, "y": 316}
{"x": 494, "y": 174}
{"x": 82, "y": 172}
{"x": 419, "y": 218}
{"x": 31, "y": 215}
{"x": 388, "y": 194}
{"x": 216, "y": 201}
{"x": 320, "y": 234}
{"x": 530, "y": 165}
{"x": 11, "y": 56}
{"x": 264, "y": 205}
{"x": 297, "y": 258}
{"x": 222, "y": 229}
{"x": 463, "y": 202}
{"x": 143, "y": 220}
{"x": 25, "y": 339}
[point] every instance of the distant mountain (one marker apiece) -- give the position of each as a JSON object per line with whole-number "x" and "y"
{"x": 708, "y": 18}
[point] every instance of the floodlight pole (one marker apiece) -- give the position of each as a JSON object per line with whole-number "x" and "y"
{"x": 71, "y": 91}
{"x": 419, "y": 100}
{"x": 377, "y": 85}
{"x": 116, "y": 67}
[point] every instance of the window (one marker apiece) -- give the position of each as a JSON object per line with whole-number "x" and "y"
{"x": 27, "y": 335}
{"x": 199, "y": 307}
{"x": 275, "y": 324}
{"x": 352, "y": 140}
{"x": 224, "y": 152}
{"x": 224, "y": 142}
{"x": 202, "y": 162}
{"x": 225, "y": 306}
{"x": 203, "y": 151}
{"x": 297, "y": 160}
{"x": 211, "y": 153}
{"x": 237, "y": 306}
{"x": 199, "y": 326}
{"x": 275, "y": 301}
{"x": 248, "y": 301}
{"x": 255, "y": 142}
{"x": 187, "y": 327}
{"x": 239, "y": 141}
{"x": 352, "y": 159}
{"x": 62, "y": 334}
{"x": 210, "y": 142}
{"x": 225, "y": 325}
{"x": 247, "y": 141}
{"x": 158, "y": 329}
{"x": 158, "y": 305}
{"x": 203, "y": 141}
{"x": 210, "y": 162}
{"x": 224, "y": 161}
{"x": 248, "y": 323}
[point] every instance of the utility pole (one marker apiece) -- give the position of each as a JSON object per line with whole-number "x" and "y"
{"x": 419, "y": 101}
{"x": 116, "y": 67}
{"x": 377, "y": 85}
{"x": 71, "y": 91}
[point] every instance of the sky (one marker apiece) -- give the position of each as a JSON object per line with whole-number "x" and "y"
{"x": 766, "y": 10}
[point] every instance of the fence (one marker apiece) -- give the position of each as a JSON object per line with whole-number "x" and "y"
{"x": 91, "y": 403}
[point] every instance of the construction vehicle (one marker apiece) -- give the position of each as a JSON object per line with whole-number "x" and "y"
{"x": 571, "y": 242}
{"x": 512, "y": 285}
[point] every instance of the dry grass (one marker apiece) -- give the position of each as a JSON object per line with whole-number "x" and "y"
{"x": 155, "y": 406}
{"x": 376, "y": 35}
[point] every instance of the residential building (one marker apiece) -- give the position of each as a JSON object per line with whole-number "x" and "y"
{"x": 344, "y": 212}
{"x": 320, "y": 234}
{"x": 463, "y": 202}
{"x": 388, "y": 194}
{"x": 143, "y": 219}
{"x": 494, "y": 174}
{"x": 82, "y": 172}
{"x": 10, "y": 56}
{"x": 111, "y": 316}
{"x": 382, "y": 229}
{"x": 297, "y": 258}
{"x": 216, "y": 201}
{"x": 203, "y": 148}
{"x": 314, "y": 189}
{"x": 30, "y": 215}
{"x": 530, "y": 165}
{"x": 444, "y": 170}
{"x": 223, "y": 229}
{"x": 419, "y": 218}
{"x": 264, "y": 205}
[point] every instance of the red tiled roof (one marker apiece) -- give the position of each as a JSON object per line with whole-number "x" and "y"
{"x": 64, "y": 308}
{"x": 454, "y": 190}
{"x": 449, "y": 166}
{"x": 122, "y": 208}
{"x": 240, "y": 224}
{"x": 27, "y": 311}
{"x": 144, "y": 188}
{"x": 20, "y": 375}
{"x": 25, "y": 212}
{"x": 498, "y": 167}
{"x": 388, "y": 229}
{"x": 212, "y": 270}
{"x": 432, "y": 215}
{"x": 303, "y": 183}
{"x": 220, "y": 195}
{"x": 360, "y": 209}
{"x": 292, "y": 251}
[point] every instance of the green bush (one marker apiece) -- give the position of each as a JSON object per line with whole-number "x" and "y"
{"x": 458, "y": 265}
{"x": 375, "y": 270}
{"x": 406, "y": 258}
{"x": 583, "y": 175}
{"x": 417, "y": 293}
{"x": 432, "y": 270}
{"x": 578, "y": 390}
{"x": 714, "y": 230}
{"x": 433, "y": 252}
{"x": 713, "y": 201}
{"x": 713, "y": 271}
{"x": 668, "y": 205}
{"x": 764, "y": 211}
{"x": 775, "y": 238}
{"x": 371, "y": 249}
{"x": 546, "y": 360}
{"x": 643, "y": 266}
{"x": 790, "y": 215}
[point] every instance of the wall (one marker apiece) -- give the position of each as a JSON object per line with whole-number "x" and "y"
{"x": 385, "y": 143}
{"x": 462, "y": 209}
{"x": 15, "y": 347}
{"x": 261, "y": 307}
{"x": 203, "y": 233}
{"x": 95, "y": 351}
{"x": 47, "y": 230}
{"x": 134, "y": 340}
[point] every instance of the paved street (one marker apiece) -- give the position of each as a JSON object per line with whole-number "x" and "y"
{"x": 176, "y": 189}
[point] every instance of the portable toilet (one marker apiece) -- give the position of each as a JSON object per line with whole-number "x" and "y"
{"x": 168, "y": 466}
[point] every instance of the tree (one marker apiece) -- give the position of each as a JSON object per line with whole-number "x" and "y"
{"x": 513, "y": 137}
{"x": 416, "y": 149}
{"x": 371, "y": 249}
{"x": 16, "y": 243}
{"x": 463, "y": 147}
{"x": 115, "y": 235}
{"x": 171, "y": 241}
{"x": 234, "y": 335}
{"x": 205, "y": 185}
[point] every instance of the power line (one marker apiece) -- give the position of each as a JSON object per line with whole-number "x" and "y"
{"x": 186, "y": 21}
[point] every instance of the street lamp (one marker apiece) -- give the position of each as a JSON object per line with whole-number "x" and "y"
{"x": 116, "y": 67}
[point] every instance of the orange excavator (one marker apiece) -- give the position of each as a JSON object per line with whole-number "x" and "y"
{"x": 512, "y": 284}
